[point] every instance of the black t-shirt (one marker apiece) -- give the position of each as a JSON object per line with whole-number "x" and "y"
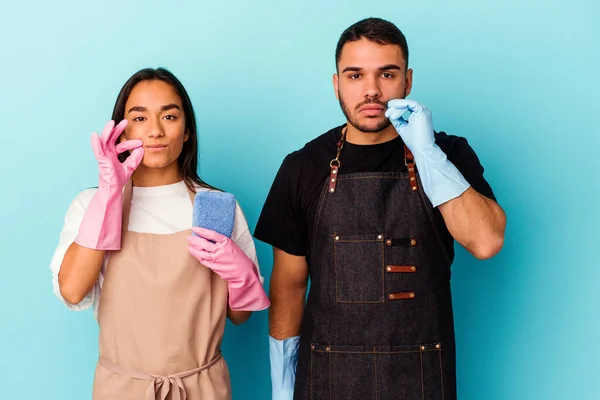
{"x": 288, "y": 214}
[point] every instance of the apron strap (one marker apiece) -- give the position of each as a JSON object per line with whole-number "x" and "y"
{"x": 409, "y": 161}
{"x": 126, "y": 204}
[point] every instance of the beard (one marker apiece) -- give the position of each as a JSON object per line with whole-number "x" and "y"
{"x": 353, "y": 120}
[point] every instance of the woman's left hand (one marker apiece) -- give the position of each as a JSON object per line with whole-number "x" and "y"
{"x": 224, "y": 257}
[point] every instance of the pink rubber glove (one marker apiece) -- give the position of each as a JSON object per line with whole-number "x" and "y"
{"x": 101, "y": 225}
{"x": 226, "y": 259}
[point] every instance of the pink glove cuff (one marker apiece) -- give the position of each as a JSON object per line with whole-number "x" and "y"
{"x": 248, "y": 295}
{"x": 101, "y": 225}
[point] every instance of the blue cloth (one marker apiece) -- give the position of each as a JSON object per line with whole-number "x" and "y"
{"x": 215, "y": 211}
{"x": 284, "y": 358}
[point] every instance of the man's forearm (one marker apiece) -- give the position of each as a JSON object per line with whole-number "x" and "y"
{"x": 476, "y": 222}
{"x": 287, "y": 309}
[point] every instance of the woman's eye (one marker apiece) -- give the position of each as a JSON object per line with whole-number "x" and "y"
{"x": 170, "y": 117}
{"x": 138, "y": 119}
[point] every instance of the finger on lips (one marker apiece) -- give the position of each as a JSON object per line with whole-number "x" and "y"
{"x": 128, "y": 145}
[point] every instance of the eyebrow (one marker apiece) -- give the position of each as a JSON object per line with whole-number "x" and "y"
{"x": 163, "y": 108}
{"x": 387, "y": 67}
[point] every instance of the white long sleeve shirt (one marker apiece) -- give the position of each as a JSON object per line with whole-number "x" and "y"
{"x": 159, "y": 210}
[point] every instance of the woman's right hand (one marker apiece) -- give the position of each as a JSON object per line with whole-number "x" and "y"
{"x": 113, "y": 173}
{"x": 101, "y": 225}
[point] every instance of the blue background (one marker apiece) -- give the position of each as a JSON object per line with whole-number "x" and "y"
{"x": 518, "y": 80}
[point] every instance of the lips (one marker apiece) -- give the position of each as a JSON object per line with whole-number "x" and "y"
{"x": 155, "y": 147}
{"x": 372, "y": 110}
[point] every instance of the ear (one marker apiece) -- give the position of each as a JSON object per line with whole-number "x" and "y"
{"x": 336, "y": 86}
{"x": 186, "y": 136}
{"x": 409, "y": 80}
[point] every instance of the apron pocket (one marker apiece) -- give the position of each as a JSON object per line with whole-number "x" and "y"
{"x": 376, "y": 372}
{"x": 359, "y": 268}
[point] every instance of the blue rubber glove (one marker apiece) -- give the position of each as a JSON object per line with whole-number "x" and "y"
{"x": 284, "y": 358}
{"x": 441, "y": 180}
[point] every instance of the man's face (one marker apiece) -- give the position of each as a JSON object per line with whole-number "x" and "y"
{"x": 370, "y": 75}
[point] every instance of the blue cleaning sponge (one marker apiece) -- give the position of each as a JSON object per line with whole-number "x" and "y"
{"x": 214, "y": 211}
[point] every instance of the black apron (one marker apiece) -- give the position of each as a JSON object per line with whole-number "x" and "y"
{"x": 378, "y": 322}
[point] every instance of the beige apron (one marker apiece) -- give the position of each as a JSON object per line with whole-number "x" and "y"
{"x": 162, "y": 317}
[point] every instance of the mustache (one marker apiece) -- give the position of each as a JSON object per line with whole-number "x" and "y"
{"x": 371, "y": 101}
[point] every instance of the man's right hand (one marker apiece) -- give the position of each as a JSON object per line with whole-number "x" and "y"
{"x": 289, "y": 281}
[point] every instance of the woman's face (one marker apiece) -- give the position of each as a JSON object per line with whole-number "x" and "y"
{"x": 155, "y": 116}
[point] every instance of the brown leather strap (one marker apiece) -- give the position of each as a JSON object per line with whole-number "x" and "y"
{"x": 333, "y": 176}
{"x": 409, "y": 160}
{"x": 401, "y": 268}
{"x": 335, "y": 164}
{"x": 404, "y": 242}
{"x": 401, "y": 296}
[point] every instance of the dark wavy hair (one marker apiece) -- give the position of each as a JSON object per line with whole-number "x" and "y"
{"x": 375, "y": 30}
{"x": 188, "y": 159}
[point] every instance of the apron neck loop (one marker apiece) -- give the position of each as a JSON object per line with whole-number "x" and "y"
{"x": 334, "y": 165}
{"x": 127, "y": 194}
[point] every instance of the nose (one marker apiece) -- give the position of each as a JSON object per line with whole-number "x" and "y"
{"x": 156, "y": 128}
{"x": 371, "y": 88}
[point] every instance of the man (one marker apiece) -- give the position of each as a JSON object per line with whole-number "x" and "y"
{"x": 370, "y": 211}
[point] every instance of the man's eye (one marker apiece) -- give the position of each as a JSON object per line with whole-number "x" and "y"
{"x": 387, "y": 75}
{"x": 354, "y": 76}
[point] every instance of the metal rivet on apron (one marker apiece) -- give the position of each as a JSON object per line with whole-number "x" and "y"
{"x": 413, "y": 242}
{"x": 392, "y": 297}
{"x": 422, "y": 347}
{"x": 414, "y": 188}
{"x": 389, "y": 269}
{"x": 333, "y": 180}
{"x": 388, "y": 242}
{"x": 379, "y": 237}
{"x": 412, "y": 179}
{"x": 334, "y": 172}
{"x": 327, "y": 348}
{"x": 337, "y": 238}
{"x": 412, "y": 296}
{"x": 411, "y": 169}
{"x": 332, "y": 190}
{"x": 413, "y": 269}
{"x": 437, "y": 346}
{"x": 312, "y": 347}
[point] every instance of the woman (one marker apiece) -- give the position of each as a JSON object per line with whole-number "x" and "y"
{"x": 160, "y": 294}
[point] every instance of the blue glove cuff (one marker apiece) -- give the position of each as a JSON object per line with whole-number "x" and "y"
{"x": 441, "y": 180}
{"x": 284, "y": 358}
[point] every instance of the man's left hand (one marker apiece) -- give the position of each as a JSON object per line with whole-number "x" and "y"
{"x": 417, "y": 130}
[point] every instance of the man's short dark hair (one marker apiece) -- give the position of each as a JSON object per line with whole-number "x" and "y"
{"x": 376, "y": 30}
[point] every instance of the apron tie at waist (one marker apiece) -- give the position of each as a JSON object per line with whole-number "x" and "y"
{"x": 159, "y": 384}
